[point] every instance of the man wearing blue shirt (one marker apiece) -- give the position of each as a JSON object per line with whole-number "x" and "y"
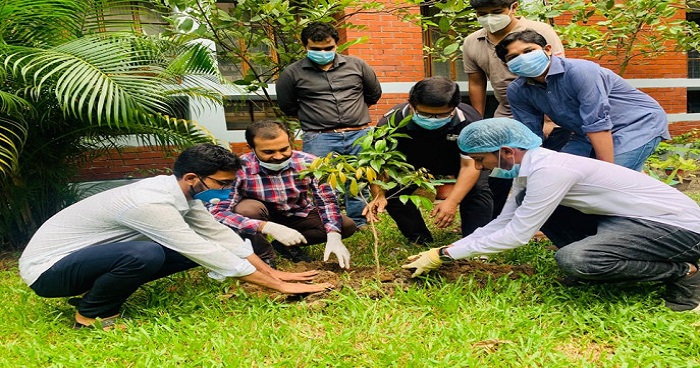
{"x": 611, "y": 120}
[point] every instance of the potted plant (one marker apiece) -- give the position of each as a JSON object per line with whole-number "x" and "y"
{"x": 675, "y": 170}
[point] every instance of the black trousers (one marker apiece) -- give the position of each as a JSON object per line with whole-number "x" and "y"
{"x": 311, "y": 226}
{"x": 475, "y": 211}
{"x": 109, "y": 274}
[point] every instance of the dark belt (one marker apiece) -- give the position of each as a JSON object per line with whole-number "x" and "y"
{"x": 340, "y": 130}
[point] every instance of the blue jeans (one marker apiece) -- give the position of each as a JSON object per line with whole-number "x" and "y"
{"x": 635, "y": 158}
{"x": 627, "y": 249}
{"x": 108, "y": 274}
{"x": 321, "y": 144}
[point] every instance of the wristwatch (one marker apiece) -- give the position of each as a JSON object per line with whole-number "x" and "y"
{"x": 444, "y": 256}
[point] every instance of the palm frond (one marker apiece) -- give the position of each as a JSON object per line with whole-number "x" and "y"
{"x": 87, "y": 73}
{"x": 121, "y": 16}
{"x": 39, "y": 22}
{"x": 163, "y": 130}
{"x": 12, "y": 104}
{"x": 13, "y": 135}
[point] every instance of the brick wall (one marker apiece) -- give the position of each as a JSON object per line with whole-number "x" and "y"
{"x": 128, "y": 163}
{"x": 667, "y": 65}
{"x": 394, "y": 50}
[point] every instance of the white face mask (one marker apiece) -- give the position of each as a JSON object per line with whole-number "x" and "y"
{"x": 276, "y": 167}
{"x": 494, "y": 22}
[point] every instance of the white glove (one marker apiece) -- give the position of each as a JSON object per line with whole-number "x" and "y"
{"x": 334, "y": 244}
{"x": 283, "y": 234}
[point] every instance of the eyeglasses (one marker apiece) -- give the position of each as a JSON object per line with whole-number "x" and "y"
{"x": 435, "y": 116}
{"x": 223, "y": 183}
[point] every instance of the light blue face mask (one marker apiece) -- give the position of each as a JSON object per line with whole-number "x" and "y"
{"x": 430, "y": 123}
{"x": 321, "y": 57}
{"x": 213, "y": 196}
{"x": 533, "y": 64}
{"x": 275, "y": 167}
{"x": 497, "y": 172}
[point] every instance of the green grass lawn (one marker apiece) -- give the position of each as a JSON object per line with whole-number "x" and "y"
{"x": 188, "y": 320}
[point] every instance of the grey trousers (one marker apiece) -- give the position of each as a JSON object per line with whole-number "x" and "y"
{"x": 628, "y": 249}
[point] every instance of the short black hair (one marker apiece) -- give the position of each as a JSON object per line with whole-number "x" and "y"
{"x": 318, "y": 32}
{"x": 205, "y": 159}
{"x": 475, "y": 4}
{"x": 267, "y": 129}
{"x": 527, "y": 36}
{"x": 435, "y": 92}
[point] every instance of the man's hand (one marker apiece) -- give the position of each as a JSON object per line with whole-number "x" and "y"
{"x": 272, "y": 280}
{"x": 444, "y": 214}
{"x": 335, "y": 245}
{"x": 294, "y": 276}
{"x": 374, "y": 208}
{"x": 294, "y": 288}
{"x": 283, "y": 234}
{"x": 424, "y": 262}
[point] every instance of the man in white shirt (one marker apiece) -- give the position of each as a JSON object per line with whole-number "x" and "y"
{"x": 644, "y": 230}
{"x": 108, "y": 245}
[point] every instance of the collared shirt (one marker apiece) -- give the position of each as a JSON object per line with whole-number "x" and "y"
{"x": 435, "y": 150}
{"x": 583, "y": 97}
{"x": 284, "y": 191}
{"x": 325, "y": 99}
{"x": 479, "y": 55}
{"x": 588, "y": 185}
{"x": 153, "y": 208}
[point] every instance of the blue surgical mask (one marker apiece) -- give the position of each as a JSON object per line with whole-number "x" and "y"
{"x": 276, "y": 167}
{"x": 430, "y": 123}
{"x": 533, "y": 64}
{"x": 497, "y": 172}
{"x": 506, "y": 174}
{"x": 321, "y": 57}
{"x": 213, "y": 196}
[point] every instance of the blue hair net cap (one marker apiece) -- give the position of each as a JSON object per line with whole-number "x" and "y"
{"x": 489, "y": 135}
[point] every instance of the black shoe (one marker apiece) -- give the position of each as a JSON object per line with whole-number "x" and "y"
{"x": 294, "y": 254}
{"x": 684, "y": 293}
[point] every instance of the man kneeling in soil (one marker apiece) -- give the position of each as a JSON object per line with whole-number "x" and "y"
{"x": 643, "y": 229}
{"x": 108, "y": 245}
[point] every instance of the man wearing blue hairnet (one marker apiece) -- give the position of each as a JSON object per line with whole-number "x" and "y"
{"x": 643, "y": 229}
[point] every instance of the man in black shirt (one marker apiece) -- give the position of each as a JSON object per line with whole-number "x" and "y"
{"x": 438, "y": 116}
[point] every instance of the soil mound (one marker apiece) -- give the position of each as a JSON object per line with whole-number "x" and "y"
{"x": 364, "y": 279}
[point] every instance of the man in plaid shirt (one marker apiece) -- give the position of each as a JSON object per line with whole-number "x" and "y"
{"x": 269, "y": 198}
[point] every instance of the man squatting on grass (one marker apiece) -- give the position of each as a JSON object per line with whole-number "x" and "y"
{"x": 269, "y": 198}
{"x": 108, "y": 245}
{"x": 643, "y": 229}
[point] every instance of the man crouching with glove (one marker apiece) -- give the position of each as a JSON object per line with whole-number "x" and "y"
{"x": 630, "y": 226}
{"x": 269, "y": 198}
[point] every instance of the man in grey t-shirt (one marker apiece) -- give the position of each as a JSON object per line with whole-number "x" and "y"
{"x": 330, "y": 94}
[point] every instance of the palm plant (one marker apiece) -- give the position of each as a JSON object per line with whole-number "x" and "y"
{"x": 79, "y": 76}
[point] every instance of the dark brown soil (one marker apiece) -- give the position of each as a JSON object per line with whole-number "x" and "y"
{"x": 362, "y": 279}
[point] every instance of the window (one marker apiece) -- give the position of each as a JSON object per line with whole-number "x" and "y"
{"x": 240, "y": 113}
{"x": 433, "y": 67}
